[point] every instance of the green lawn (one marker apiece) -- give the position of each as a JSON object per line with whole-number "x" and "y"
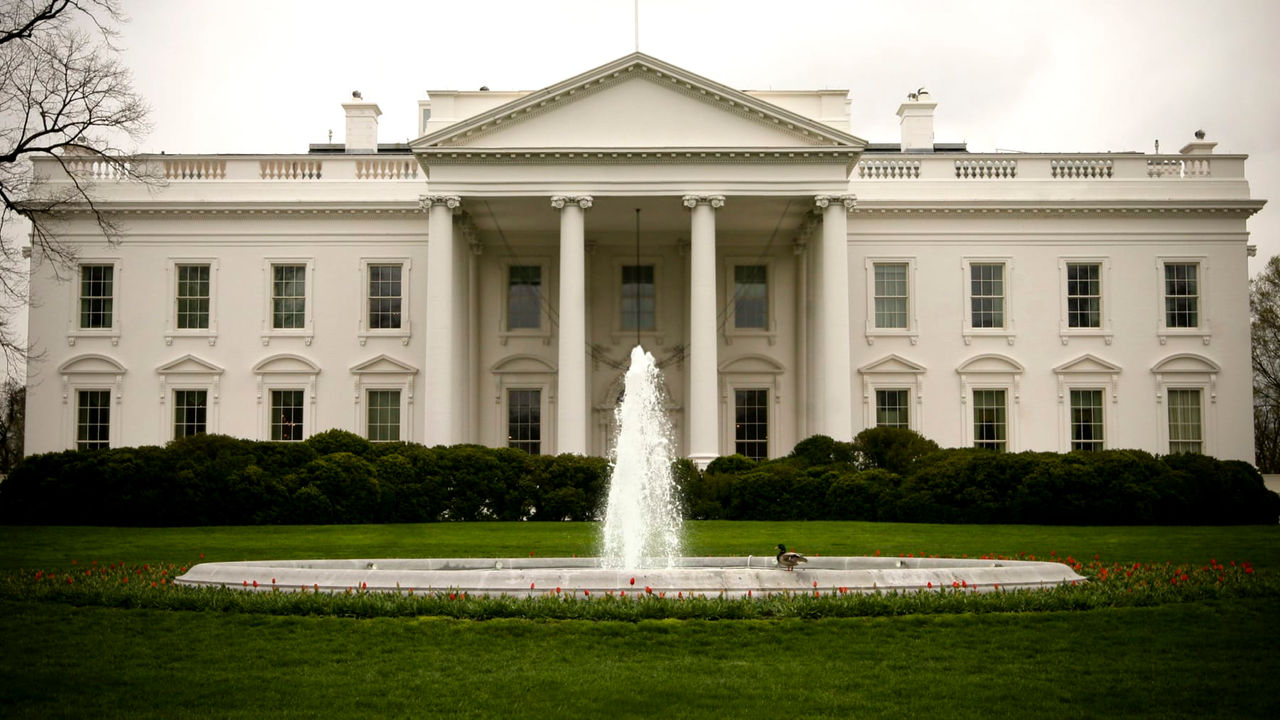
{"x": 1213, "y": 658}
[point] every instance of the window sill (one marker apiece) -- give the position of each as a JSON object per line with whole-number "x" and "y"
{"x": 401, "y": 335}
{"x": 1203, "y": 333}
{"x": 731, "y": 334}
{"x": 970, "y": 333}
{"x": 506, "y": 336}
{"x": 210, "y": 335}
{"x": 1065, "y": 334}
{"x": 108, "y": 333}
{"x": 306, "y": 335}
{"x": 909, "y": 334}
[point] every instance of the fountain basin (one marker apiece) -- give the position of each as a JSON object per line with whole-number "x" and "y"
{"x": 693, "y": 576}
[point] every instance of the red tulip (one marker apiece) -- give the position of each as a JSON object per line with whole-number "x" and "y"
{"x": 530, "y": 586}
{"x": 633, "y": 581}
{"x": 255, "y": 583}
{"x": 930, "y": 584}
{"x": 587, "y": 593}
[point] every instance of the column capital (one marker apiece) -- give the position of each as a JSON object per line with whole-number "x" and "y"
{"x": 453, "y": 202}
{"x": 823, "y": 201}
{"x": 559, "y": 201}
{"x": 692, "y": 201}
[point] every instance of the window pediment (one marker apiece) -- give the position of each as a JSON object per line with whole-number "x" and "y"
{"x": 1186, "y": 363}
{"x": 990, "y": 363}
{"x": 1087, "y": 363}
{"x": 892, "y": 363}
{"x": 385, "y": 365}
{"x": 286, "y": 364}
{"x": 189, "y": 365}
{"x": 753, "y": 364}
{"x": 521, "y": 364}
{"x": 91, "y": 364}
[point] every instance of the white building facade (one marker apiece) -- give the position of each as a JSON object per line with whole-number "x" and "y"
{"x": 486, "y": 282}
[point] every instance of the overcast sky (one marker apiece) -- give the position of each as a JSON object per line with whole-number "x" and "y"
{"x": 237, "y": 76}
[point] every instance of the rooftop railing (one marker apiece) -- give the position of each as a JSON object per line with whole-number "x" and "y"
{"x": 1036, "y": 166}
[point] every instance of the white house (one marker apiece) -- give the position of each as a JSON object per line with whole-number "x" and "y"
{"x": 485, "y": 282}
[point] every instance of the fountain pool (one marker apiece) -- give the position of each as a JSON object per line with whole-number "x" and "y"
{"x": 640, "y": 546}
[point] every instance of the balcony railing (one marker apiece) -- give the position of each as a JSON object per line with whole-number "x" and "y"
{"x": 272, "y": 168}
{"x": 1036, "y": 166}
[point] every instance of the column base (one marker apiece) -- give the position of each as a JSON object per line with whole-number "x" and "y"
{"x": 702, "y": 461}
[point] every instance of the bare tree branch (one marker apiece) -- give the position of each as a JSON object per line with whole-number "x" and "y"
{"x": 65, "y": 96}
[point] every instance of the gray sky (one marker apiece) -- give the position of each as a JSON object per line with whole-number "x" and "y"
{"x": 1079, "y": 75}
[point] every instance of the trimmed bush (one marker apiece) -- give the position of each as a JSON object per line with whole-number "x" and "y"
{"x": 337, "y": 477}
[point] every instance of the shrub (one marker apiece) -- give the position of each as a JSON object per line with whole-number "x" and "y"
{"x": 892, "y": 449}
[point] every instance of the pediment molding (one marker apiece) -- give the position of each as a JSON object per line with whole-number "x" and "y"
{"x": 286, "y": 363}
{"x": 521, "y": 364}
{"x": 385, "y": 365}
{"x": 1087, "y": 363}
{"x": 753, "y": 364}
{"x": 990, "y": 363}
{"x": 1186, "y": 363}
{"x": 804, "y": 131}
{"x": 189, "y": 365}
{"x": 891, "y": 363}
{"x": 91, "y": 364}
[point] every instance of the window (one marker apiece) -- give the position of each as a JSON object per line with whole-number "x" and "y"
{"x": 93, "y": 419}
{"x": 524, "y": 420}
{"x": 986, "y": 295}
{"x": 287, "y": 415}
{"x": 192, "y": 297}
{"x": 751, "y": 422}
{"x": 1185, "y": 429}
{"x": 385, "y": 296}
{"x": 1087, "y": 432}
{"x": 891, "y": 295}
{"x": 384, "y": 415}
{"x": 288, "y": 297}
{"x": 1181, "y": 295}
{"x": 524, "y": 297}
{"x": 893, "y": 408}
{"x": 638, "y": 298}
{"x": 990, "y": 424}
{"x": 190, "y": 412}
{"x": 1084, "y": 295}
{"x": 750, "y": 297}
{"x": 96, "y": 296}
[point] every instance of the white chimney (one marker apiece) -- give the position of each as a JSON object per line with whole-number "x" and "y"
{"x": 916, "y": 119}
{"x": 362, "y": 124}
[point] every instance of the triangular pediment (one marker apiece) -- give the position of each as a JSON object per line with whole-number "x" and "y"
{"x": 189, "y": 365}
{"x": 891, "y": 363}
{"x": 637, "y": 102}
{"x": 385, "y": 365}
{"x": 1087, "y": 363}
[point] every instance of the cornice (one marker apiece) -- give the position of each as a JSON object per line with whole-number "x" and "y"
{"x": 260, "y": 209}
{"x": 637, "y": 156}
{"x": 1242, "y": 208}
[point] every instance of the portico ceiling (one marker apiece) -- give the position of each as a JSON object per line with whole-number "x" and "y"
{"x": 612, "y": 220}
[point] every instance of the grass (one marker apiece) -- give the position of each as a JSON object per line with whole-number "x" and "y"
{"x": 1196, "y": 655}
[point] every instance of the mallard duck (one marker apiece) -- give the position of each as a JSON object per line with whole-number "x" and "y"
{"x": 789, "y": 560}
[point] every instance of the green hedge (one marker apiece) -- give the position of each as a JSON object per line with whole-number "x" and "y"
{"x": 333, "y": 477}
{"x": 899, "y": 476}
{"x": 883, "y": 475}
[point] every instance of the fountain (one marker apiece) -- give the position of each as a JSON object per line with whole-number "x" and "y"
{"x": 642, "y": 522}
{"x": 640, "y": 545}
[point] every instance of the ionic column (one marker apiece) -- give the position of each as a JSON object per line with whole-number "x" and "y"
{"x": 442, "y": 371}
{"x": 704, "y": 386}
{"x": 571, "y": 408}
{"x": 837, "y": 406}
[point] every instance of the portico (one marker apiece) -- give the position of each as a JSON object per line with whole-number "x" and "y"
{"x": 655, "y": 186}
